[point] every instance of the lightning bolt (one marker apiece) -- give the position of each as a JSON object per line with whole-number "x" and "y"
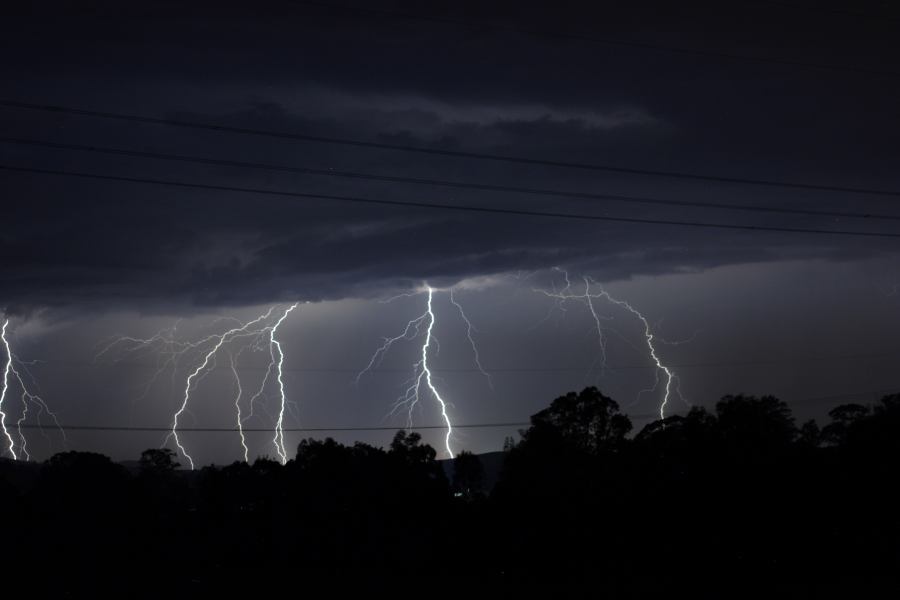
{"x": 237, "y": 407}
{"x": 202, "y": 368}
{"x": 279, "y": 425}
{"x": 256, "y": 334}
{"x": 588, "y": 297}
{"x": 426, "y": 372}
{"x": 6, "y": 371}
{"x": 423, "y": 325}
{"x": 28, "y": 398}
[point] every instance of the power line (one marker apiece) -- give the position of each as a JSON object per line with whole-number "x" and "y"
{"x": 269, "y": 430}
{"x": 447, "y": 207}
{"x": 499, "y": 425}
{"x": 584, "y": 37}
{"x": 441, "y": 183}
{"x": 442, "y": 152}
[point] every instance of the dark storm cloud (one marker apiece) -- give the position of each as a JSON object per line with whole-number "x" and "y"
{"x": 291, "y": 68}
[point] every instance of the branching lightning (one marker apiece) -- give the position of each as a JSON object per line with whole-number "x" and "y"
{"x": 423, "y": 325}
{"x": 257, "y": 334}
{"x": 200, "y": 357}
{"x": 237, "y": 407}
{"x": 469, "y": 330}
{"x": 12, "y": 376}
{"x": 279, "y": 425}
{"x": 588, "y": 297}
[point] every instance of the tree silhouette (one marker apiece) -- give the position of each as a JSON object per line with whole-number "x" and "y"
{"x": 809, "y": 434}
{"x": 158, "y": 460}
{"x": 468, "y": 475}
{"x": 765, "y": 507}
{"x": 872, "y": 434}
{"x": 754, "y": 428}
{"x": 842, "y": 418}
{"x": 587, "y": 420}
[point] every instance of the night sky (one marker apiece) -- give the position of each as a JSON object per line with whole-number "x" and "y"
{"x": 753, "y": 91}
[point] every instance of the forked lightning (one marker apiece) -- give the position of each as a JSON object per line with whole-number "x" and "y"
{"x": 588, "y": 297}
{"x": 422, "y": 373}
{"x": 257, "y": 334}
{"x": 12, "y": 377}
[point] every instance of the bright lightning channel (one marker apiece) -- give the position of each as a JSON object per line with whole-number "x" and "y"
{"x": 256, "y": 334}
{"x": 28, "y": 398}
{"x": 237, "y": 406}
{"x": 422, "y": 374}
{"x": 279, "y": 425}
{"x": 566, "y": 294}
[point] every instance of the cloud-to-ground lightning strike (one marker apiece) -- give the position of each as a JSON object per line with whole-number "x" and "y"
{"x": 237, "y": 406}
{"x": 279, "y": 425}
{"x": 422, "y": 374}
{"x": 256, "y": 334}
{"x": 13, "y": 376}
{"x": 565, "y": 294}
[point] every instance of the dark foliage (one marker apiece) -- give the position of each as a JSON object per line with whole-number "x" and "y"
{"x": 468, "y": 476}
{"x": 738, "y": 502}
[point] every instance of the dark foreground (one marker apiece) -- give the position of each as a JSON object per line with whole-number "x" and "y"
{"x": 736, "y": 503}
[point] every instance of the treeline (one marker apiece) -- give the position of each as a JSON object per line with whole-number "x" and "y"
{"x": 735, "y": 502}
